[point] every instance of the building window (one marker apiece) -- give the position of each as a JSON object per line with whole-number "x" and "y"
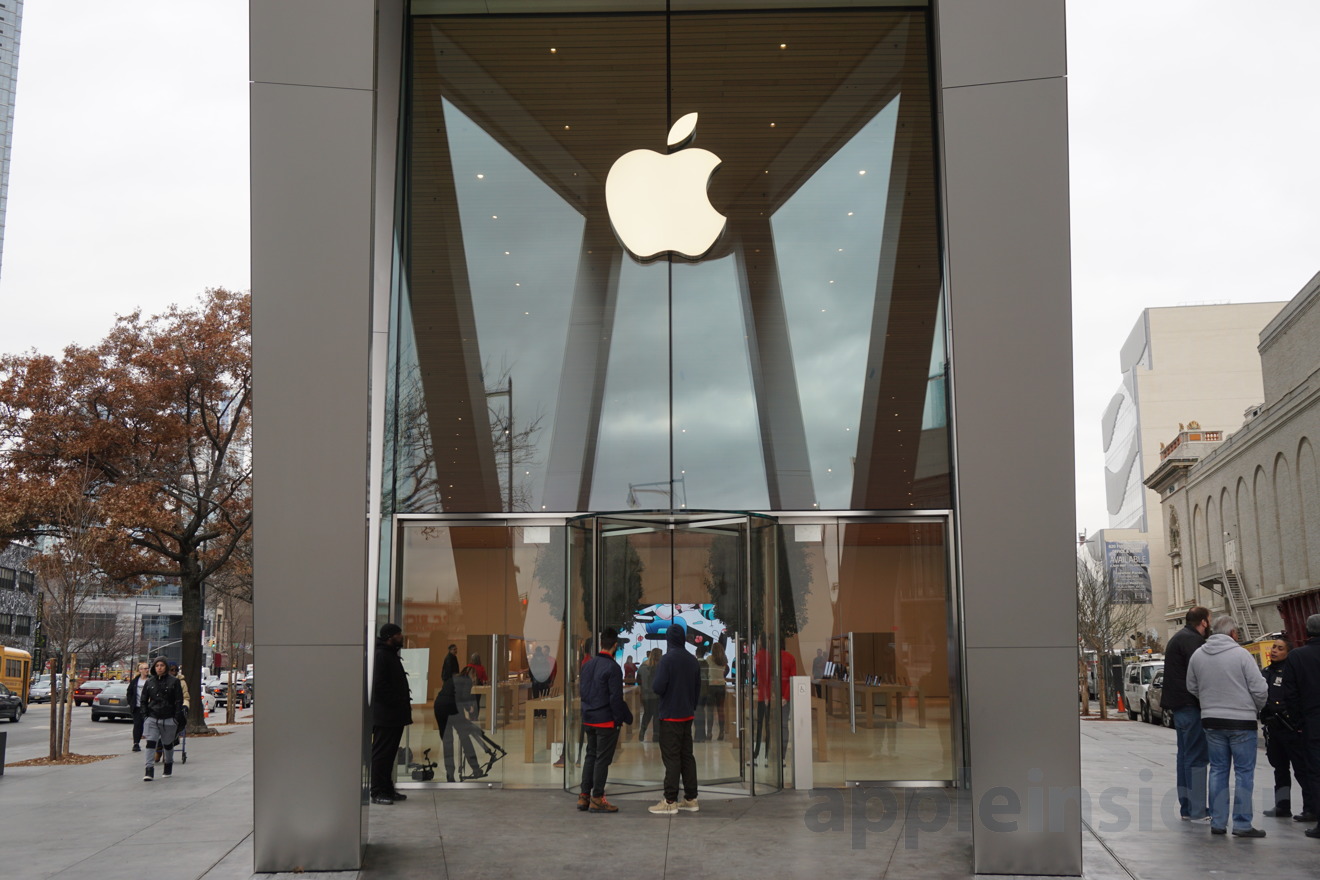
{"x": 7, "y": 576}
{"x": 27, "y": 581}
{"x": 23, "y": 625}
{"x": 6, "y": 624}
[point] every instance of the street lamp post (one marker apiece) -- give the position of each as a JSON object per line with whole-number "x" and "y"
{"x": 143, "y": 633}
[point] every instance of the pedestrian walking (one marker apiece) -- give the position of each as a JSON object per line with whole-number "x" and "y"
{"x": 1226, "y": 680}
{"x": 135, "y": 703}
{"x": 162, "y": 702}
{"x": 600, "y": 687}
{"x": 678, "y": 683}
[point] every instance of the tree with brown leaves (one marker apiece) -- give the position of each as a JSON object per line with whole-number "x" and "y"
{"x": 152, "y": 426}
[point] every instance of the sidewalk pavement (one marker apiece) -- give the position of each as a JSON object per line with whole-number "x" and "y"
{"x": 102, "y": 820}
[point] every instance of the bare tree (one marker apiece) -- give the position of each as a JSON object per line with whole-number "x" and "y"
{"x": 1102, "y": 623}
{"x": 69, "y": 578}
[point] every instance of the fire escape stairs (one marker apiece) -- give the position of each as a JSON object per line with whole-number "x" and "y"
{"x": 1241, "y": 606}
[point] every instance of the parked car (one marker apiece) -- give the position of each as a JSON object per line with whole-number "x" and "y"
{"x": 220, "y": 691}
{"x": 1136, "y": 680}
{"x": 1155, "y": 711}
{"x": 11, "y": 704}
{"x": 85, "y": 693}
{"x": 112, "y": 702}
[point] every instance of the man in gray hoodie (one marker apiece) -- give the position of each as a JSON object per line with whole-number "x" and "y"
{"x": 1226, "y": 680}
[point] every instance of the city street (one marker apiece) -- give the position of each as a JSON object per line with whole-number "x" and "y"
{"x": 30, "y": 738}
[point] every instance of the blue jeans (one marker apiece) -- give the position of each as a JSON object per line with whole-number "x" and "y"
{"x": 1236, "y": 747}
{"x": 1193, "y": 757}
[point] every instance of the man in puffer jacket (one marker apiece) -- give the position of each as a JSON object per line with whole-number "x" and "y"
{"x": 1226, "y": 680}
{"x": 678, "y": 683}
{"x": 600, "y": 686}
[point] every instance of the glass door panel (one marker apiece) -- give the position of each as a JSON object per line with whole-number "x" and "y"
{"x": 712, "y": 575}
{"x": 487, "y": 600}
{"x": 874, "y": 606}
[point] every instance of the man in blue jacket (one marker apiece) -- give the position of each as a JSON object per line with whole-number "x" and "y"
{"x": 678, "y": 684}
{"x": 600, "y": 685}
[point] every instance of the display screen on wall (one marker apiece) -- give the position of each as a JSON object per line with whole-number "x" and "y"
{"x": 1128, "y": 566}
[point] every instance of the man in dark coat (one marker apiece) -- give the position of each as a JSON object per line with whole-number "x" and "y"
{"x": 391, "y": 711}
{"x": 600, "y": 685}
{"x": 1193, "y": 751}
{"x": 1301, "y": 693}
{"x": 135, "y": 703}
{"x": 1284, "y": 746}
{"x": 678, "y": 684}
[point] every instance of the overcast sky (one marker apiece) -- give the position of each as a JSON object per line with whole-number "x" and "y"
{"x": 1194, "y": 134}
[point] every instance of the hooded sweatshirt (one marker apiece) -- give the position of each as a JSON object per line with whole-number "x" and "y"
{"x": 1227, "y": 682}
{"x": 677, "y": 679}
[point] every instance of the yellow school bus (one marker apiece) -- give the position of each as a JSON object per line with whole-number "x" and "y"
{"x": 16, "y": 671}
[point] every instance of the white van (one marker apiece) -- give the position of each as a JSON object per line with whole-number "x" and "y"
{"x": 1136, "y": 681}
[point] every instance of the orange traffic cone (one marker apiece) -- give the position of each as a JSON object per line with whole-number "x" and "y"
{"x": 1121, "y": 707}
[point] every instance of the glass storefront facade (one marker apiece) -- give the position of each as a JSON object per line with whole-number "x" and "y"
{"x": 573, "y": 430}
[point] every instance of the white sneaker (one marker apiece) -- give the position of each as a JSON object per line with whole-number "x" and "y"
{"x": 689, "y": 805}
{"x": 664, "y": 808}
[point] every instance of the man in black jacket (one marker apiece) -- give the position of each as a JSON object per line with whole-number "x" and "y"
{"x": 600, "y": 685}
{"x": 1193, "y": 751}
{"x": 162, "y": 701}
{"x": 678, "y": 683}
{"x": 391, "y": 711}
{"x": 135, "y": 703}
{"x": 1301, "y": 693}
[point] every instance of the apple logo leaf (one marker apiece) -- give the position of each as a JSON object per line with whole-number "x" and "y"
{"x": 682, "y": 129}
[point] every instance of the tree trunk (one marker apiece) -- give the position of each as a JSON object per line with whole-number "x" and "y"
{"x": 1082, "y": 690}
{"x": 57, "y": 713}
{"x": 66, "y": 746}
{"x": 190, "y": 586}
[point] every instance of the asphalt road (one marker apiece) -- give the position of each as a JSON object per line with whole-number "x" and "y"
{"x": 30, "y": 738}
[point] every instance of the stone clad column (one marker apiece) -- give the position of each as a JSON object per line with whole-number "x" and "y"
{"x": 1003, "y": 105}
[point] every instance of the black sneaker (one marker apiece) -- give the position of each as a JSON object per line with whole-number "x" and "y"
{"x": 149, "y": 774}
{"x": 169, "y": 769}
{"x": 399, "y": 796}
{"x": 1249, "y": 832}
{"x": 1214, "y": 830}
{"x": 383, "y": 801}
{"x": 137, "y": 747}
{"x": 1279, "y": 814}
{"x": 1305, "y": 817}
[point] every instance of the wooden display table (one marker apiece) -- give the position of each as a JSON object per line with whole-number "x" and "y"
{"x": 554, "y": 723}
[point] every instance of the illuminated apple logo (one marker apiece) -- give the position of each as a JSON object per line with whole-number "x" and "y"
{"x": 657, "y": 202}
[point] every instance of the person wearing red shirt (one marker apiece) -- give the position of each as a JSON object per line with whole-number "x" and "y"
{"x": 764, "y": 680}
{"x": 603, "y": 712}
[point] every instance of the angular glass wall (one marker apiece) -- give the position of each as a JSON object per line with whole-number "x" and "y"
{"x": 796, "y": 364}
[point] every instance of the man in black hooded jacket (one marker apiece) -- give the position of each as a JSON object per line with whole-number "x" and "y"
{"x": 391, "y": 711}
{"x": 678, "y": 684}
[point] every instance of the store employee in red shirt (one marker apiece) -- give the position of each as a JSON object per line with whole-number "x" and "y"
{"x": 600, "y": 685}
{"x": 678, "y": 684}
{"x": 764, "y": 677}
